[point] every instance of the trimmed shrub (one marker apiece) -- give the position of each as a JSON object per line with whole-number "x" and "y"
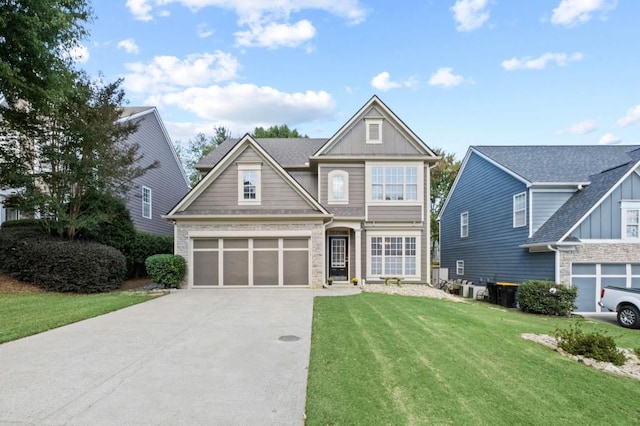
{"x": 13, "y": 244}
{"x": 24, "y": 223}
{"x": 591, "y": 345}
{"x": 166, "y": 269}
{"x": 546, "y": 297}
{"x": 73, "y": 266}
{"x": 140, "y": 247}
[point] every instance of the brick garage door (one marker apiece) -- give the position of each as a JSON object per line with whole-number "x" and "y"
{"x": 250, "y": 262}
{"x": 590, "y": 278}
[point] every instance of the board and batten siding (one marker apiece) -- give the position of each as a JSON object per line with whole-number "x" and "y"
{"x": 222, "y": 193}
{"x": 353, "y": 142}
{"x": 545, "y": 204}
{"x": 605, "y": 222}
{"x": 491, "y": 251}
{"x": 166, "y": 181}
{"x": 356, "y": 187}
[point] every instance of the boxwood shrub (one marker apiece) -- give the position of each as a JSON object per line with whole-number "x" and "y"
{"x": 13, "y": 242}
{"x": 166, "y": 269}
{"x": 546, "y": 297}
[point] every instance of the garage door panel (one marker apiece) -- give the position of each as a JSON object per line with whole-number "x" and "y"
{"x": 236, "y": 268}
{"x": 205, "y": 265}
{"x": 265, "y": 268}
{"x": 296, "y": 268}
{"x": 586, "y": 298}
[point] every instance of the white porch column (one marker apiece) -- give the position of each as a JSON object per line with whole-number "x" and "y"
{"x": 358, "y": 255}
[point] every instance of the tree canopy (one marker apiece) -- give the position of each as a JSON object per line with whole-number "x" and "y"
{"x": 199, "y": 147}
{"x": 282, "y": 131}
{"x": 442, "y": 177}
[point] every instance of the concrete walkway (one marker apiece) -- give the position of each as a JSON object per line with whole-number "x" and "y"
{"x": 192, "y": 357}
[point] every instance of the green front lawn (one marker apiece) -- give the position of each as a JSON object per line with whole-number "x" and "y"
{"x": 26, "y": 314}
{"x": 393, "y": 360}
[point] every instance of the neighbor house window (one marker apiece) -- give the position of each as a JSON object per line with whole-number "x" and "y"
{"x": 338, "y": 190}
{"x": 394, "y": 183}
{"x": 249, "y": 179}
{"x": 459, "y": 267}
{"x": 630, "y": 219}
{"x": 146, "y": 202}
{"x": 374, "y": 130}
{"x": 520, "y": 210}
{"x": 394, "y": 255}
{"x": 464, "y": 224}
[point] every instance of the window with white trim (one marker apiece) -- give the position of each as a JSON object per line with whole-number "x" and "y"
{"x": 394, "y": 183}
{"x": 394, "y": 255}
{"x": 374, "y": 130}
{"x": 464, "y": 224}
{"x": 520, "y": 210}
{"x": 338, "y": 189}
{"x": 146, "y": 202}
{"x": 630, "y": 219}
{"x": 459, "y": 267}
{"x": 249, "y": 181}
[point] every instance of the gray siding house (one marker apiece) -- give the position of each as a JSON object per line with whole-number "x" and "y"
{"x": 157, "y": 191}
{"x": 570, "y": 214}
{"x": 295, "y": 212}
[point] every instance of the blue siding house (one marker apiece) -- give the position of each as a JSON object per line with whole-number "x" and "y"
{"x": 569, "y": 214}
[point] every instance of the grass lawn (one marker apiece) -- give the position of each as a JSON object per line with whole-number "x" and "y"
{"x": 31, "y": 313}
{"x": 395, "y": 360}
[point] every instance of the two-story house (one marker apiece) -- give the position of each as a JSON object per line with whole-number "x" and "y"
{"x": 568, "y": 214}
{"x": 294, "y": 212}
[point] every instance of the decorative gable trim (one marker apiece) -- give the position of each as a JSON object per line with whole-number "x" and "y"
{"x": 228, "y": 160}
{"x": 389, "y": 117}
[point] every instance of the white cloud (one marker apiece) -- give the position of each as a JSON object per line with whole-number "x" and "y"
{"x": 609, "y": 139}
{"x": 204, "y": 31}
{"x": 574, "y": 12}
{"x": 242, "y": 105}
{"x": 276, "y": 35}
{"x": 169, "y": 72}
{"x": 140, "y": 9}
{"x": 383, "y": 82}
{"x": 528, "y": 63}
{"x": 129, "y": 45}
{"x": 580, "y": 128}
{"x": 446, "y": 78}
{"x": 632, "y": 116}
{"x": 470, "y": 14}
{"x": 78, "y": 54}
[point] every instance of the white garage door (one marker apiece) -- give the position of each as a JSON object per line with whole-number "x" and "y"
{"x": 590, "y": 278}
{"x": 250, "y": 262}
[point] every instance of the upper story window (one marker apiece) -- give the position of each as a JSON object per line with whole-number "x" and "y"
{"x": 374, "y": 130}
{"x": 394, "y": 183}
{"x": 249, "y": 182}
{"x": 630, "y": 219}
{"x": 520, "y": 210}
{"x": 338, "y": 190}
{"x": 464, "y": 225}
{"x": 146, "y": 202}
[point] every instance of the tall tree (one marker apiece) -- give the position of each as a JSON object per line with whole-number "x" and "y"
{"x": 79, "y": 149}
{"x": 442, "y": 177}
{"x": 282, "y": 131}
{"x": 199, "y": 147}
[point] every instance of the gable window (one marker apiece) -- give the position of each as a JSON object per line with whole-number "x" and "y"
{"x": 394, "y": 183}
{"x": 374, "y": 130}
{"x": 338, "y": 190}
{"x": 520, "y": 210}
{"x": 146, "y": 202}
{"x": 459, "y": 267}
{"x": 396, "y": 255}
{"x": 249, "y": 180}
{"x": 464, "y": 225}
{"x": 630, "y": 219}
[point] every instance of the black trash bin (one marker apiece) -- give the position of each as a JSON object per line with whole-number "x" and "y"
{"x": 493, "y": 294}
{"x": 506, "y": 294}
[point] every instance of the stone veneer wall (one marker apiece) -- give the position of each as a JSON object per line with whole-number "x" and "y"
{"x": 317, "y": 240}
{"x": 597, "y": 253}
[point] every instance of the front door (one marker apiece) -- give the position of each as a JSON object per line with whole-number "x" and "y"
{"x": 338, "y": 248}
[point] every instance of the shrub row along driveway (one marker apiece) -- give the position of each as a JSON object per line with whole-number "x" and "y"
{"x": 192, "y": 357}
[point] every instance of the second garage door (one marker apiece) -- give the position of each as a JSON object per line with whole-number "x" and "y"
{"x": 250, "y": 262}
{"x": 590, "y": 278}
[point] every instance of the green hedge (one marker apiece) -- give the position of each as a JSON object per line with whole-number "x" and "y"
{"x": 546, "y": 297}
{"x": 13, "y": 242}
{"x": 23, "y": 223}
{"x": 166, "y": 269}
{"x": 140, "y": 247}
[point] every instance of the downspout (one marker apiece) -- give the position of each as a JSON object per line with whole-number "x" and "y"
{"x": 557, "y": 262}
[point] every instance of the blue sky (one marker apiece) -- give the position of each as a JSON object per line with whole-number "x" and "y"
{"x": 459, "y": 73}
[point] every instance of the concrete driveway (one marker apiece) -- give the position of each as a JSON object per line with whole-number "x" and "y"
{"x": 192, "y": 357}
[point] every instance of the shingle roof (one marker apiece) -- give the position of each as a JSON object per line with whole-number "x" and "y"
{"x": 545, "y": 163}
{"x": 288, "y": 152}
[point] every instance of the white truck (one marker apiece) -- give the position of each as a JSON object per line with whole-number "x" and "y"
{"x": 624, "y": 301}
